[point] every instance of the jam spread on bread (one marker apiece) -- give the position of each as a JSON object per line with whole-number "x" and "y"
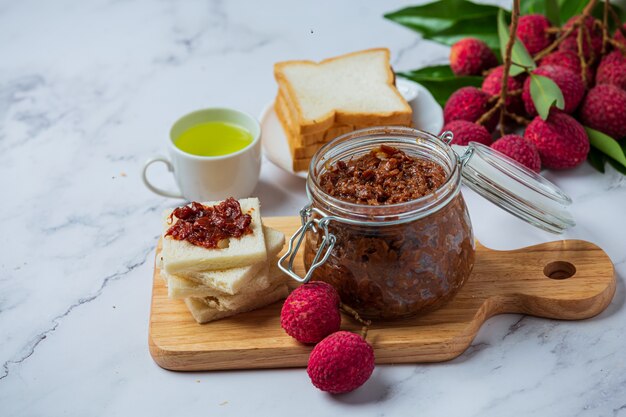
{"x": 385, "y": 175}
{"x": 207, "y": 226}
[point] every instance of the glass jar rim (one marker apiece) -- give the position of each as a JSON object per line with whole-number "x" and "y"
{"x": 362, "y": 141}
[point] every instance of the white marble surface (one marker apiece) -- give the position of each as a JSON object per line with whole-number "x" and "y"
{"x": 88, "y": 90}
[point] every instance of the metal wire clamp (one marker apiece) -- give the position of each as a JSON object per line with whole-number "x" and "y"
{"x": 323, "y": 252}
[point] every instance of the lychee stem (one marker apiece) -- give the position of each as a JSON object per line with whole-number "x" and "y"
{"x": 605, "y": 25}
{"x": 581, "y": 54}
{"x": 504, "y": 86}
{"x": 357, "y": 317}
{"x": 553, "y": 30}
{"x": 617, "y": 45}
{"x": 518, "y": 119}
{"x": 487, "y": 115}
{"x": 507, "y": 62}
{"x": 576, "y": 24}
{"x": 354, "y": 314}
{"x": 553, "y": 45}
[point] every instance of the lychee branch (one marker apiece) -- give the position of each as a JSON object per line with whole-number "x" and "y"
{"x": 521, "y": 120}
{"x": 357, "y": 317}
{"x": 617, "y": 45}
{"x": 579, "y": 22}
{"x": 553, "y": 30}
{"x": 564, "y": 34}
{"x": 501, "y": 103}
{"x": 581, "y": 53}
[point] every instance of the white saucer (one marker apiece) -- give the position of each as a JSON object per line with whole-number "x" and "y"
{"x": 427, "y": 116}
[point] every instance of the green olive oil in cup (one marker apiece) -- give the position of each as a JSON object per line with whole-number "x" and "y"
{"x": 214, "y": 154}
{"x": 213, "y": 139}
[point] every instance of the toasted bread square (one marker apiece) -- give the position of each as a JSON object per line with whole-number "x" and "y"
{"x": 182, "y": 257}
{"x": 228, "y": 281}
{"x": 204, "y": 309}
{"x": 181, "y": 288}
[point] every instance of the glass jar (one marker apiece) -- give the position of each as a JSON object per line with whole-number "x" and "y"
{"x": 398, "y": 260}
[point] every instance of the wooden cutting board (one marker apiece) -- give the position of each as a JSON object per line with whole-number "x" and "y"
{"x": 568, "y": 280}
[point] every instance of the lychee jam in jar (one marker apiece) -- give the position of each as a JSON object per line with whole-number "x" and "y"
{"x": 402, "y": 241}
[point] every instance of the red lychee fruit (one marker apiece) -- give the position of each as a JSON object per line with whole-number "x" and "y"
{"x": 561, "y": 141}
{"x": 466, "y": 132}
{"x": 531, "y": 31}
{"x": 469, "y": 103}
{"x": 604, "y": 109}
{"x": 519, "y": 149}
{"x": 471, "y": 56}
{"x": 570, "y": 84}
{"x": 592, "y": 44}
{"x": 311, "y": 312}
{"x": 341, "y": 363}
{"x": 612, "y": 70}
{"x": 619, "y": 36}
{"x": 493, "y": 84}
{"x": 569, "y": 60}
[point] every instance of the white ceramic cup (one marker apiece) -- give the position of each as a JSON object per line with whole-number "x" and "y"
{"x": 207, "y": 178}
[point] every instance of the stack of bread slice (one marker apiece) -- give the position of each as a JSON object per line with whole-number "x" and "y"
{"x": 317, "y": 102}
{"x": 240, "y": 275}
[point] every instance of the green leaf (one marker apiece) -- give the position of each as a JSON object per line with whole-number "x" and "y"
{"x": 607, "y": 145}
{"x": 569, "y": 8}
{"x": 621, "y": 12}
{"x": 447, "y": 21}
{"x": 545, "y": 93}
{"x": 596, "y": 159}
{"x": 552, "y": 12}
{"x": 618, "y": 167}
{"x": 532, "y": 7}
{"x": 440, "y": 81}
{"x": 482, "y": 29}
{"x": 599, "y": 9}
{"x": 548, "y": 8}
{"x": 519, "y": 54}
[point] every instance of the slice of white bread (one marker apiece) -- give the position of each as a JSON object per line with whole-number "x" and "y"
{"x": 203, "y": 310}
{"x": 180, "y": 288}
{"x": 182, "y": 257}
{"x": 228, "y": 281}
{"x": 313, "y": 139}
{"x": 231, "y": 281}
{"x": 354, "y": 89}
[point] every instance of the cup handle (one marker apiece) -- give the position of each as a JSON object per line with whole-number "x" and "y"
{"x": 151, "y": 187}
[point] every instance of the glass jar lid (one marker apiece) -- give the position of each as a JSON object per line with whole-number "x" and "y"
{"x": 513, "y": 187}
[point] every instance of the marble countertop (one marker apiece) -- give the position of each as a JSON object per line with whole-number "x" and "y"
{"x": 88, "y": 90}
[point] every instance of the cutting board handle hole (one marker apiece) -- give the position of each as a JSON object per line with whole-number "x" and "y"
{"x": 559, "y": 270}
